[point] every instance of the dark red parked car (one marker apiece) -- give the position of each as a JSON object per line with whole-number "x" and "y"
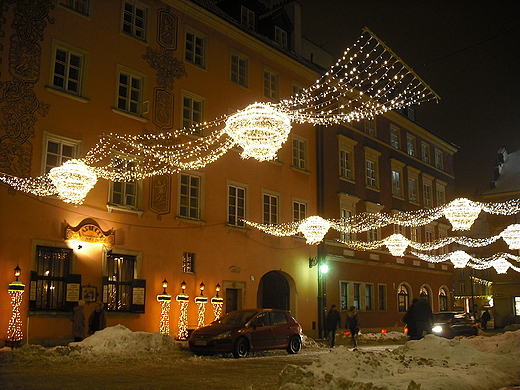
{"x": 248, "y": 330}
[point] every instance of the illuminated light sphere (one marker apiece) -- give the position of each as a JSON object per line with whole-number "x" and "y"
{"x": 260, "y": 130}
{"x": 73, "y": 180}
{"x": 459, "y": 259}
{"x": 314, "y": 228}
{"x": 462, "y": 213}
{"x": 501, "y": 265}
{"x": 397, "y": 244}
{"x": 511, "y": 236}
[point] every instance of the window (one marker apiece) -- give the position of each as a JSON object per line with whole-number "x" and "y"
{"x": 441, "y": 194}
{"x": 239, "y": 69}
{"x": 462, "y": 288}
{"x": 369, "y": 297}
{"x": 271, "y": 84}
{"x": 461, "y": 272}
{"x": 195, "y": 48}
{"x": 299, "y": 211}
{"x": 81, "y": 6}
{"x": 517, "y": 306}
{"x": 357, "y": 296}
{"x": 427, "y": 195}
{"x": 415, "y": 234}
{"x": 371, "y": 167}
{"x": 130, "y": 90}
{"x": 343, "y": 296}
{"x": 236, "y": 205}
{"x": 134, "y": 20}
{"x": 382, "y": 297}
{"x": 192, "y": 110}
{"x": 69, "y": 69}
{"x": 403, "y": 298}
{"x": 188, "y": 262}
{"x": 370, "y": 127}
{"x": 58, "y": 150}
{"x": 299, "y": 153}
{"x": 120, "y": 274}
{"x": 345, "y": 164}
{"x": 247, "y": 18}
{"x": 443, "y": 299}
{"x": 424, "y": 294}
{"x": 346, "y": 215}
{"x": 410, "y": 145}
{"x": 394, "y": 137}
{"x": 297, "y": 88}
{"x": 50, "y": 278}
{"x": 373, "y": 234}
{"x": 439, "y": 163}
{"x": 125, "y": 194}
{"x": 347, "y": 204}
{"x": 270, "y": 208}
{"x": 425, "y": 152}
{"x": 396, "y": 183}
{"x": 412, "y": 189}
{"x": 280, "y": 37}
{"x": 190, "y": 196}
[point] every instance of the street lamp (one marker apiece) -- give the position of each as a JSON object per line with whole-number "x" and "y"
{"x": 323, "y": 268}
{"x": 183, "y": 300}
{"x": 217, "y": 303}
{"x": 201, "y": 301}
{"x": 14, "y": 328}
{"x": 165, "y": 300}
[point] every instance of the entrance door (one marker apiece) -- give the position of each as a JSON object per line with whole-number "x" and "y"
{"x": 231, "y": 299}
{"x": 274, "y": 291}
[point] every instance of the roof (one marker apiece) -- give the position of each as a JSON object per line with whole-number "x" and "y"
{"x": 507, "y": 173}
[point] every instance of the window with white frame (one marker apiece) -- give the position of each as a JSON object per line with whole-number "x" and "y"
{"x": 425, "y": 152}
{"x": 134, "y": 20}
{"x": 347, "y": 204}
{"x": 415, "y": 234}
{"x": 299, "y": 210}
{"x": 443, "y": 233}
{"x": 441, "y": 193}
{"x": 462, "y": 288}
{"x": 403, "y": 298}
{"x": 394, "y": 137}
{"x": 443, "y": 299}
{"x": 439, "y": 160}
{"x": 517, "y": 306}
{"x": 296, "y": 88}
{"x": 125, "y": 194}
{"x": 299, "y": 153}
{"x": 427, "y": 194}
{"x": 192, "y": 110}
{"x": 346, "y": 157}
{"x": 280, "y": 37}
{"x": 271, "y": 84}
{"x": 190, "y": 195}
{"x": 397, "y": 187}
{"x": 371, "y": 167}
{"x": 370, "y": 127}
{"x": 247, "y": 18}
{"x": 429, "y": 234}
{"x": 188, "y": 262}
{"x": 69, "y": 68}
{"x": 346, "y": 215}
{"x": 236, "y": 205}
{"x": 58, "y": 150}
{"x": 344, "y": 296}
{"x": 195, "y": 48}
{"x": 117, "y": 290}
{"x": 357, "y": 296}
{"x": 399, "y": 229}
{"x": 412, "y": 189}
{"x": 240, "y": 69}
{"x": 270, "y": 208}
{"x": 410, "y": 145}
{"x": 130, "y": 91}
{"x": 373, "y": 234}
{"x": 80, "y": 6}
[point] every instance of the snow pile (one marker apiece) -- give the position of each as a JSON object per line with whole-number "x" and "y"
{"x": 432, "y": 363}
{"x": 112, "y": 343}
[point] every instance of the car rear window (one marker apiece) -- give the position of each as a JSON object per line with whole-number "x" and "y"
{"x": 279, "y": 318}
{"x": 442, "y": 317}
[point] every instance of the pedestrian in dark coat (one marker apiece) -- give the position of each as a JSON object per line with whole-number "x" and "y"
{"x": 485, "y": 318}
{"x": 98, "y": 319}
{"x": 78, "y": 322}
{"x": 423, "y": 316}
{"x": 353, "y": 324}
{"x": 332, "y": 323}
{"x": 410, "y": 321}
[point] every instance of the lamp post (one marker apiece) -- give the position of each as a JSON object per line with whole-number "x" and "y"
{"x": 322, "y": 287}
{"x": 201, "y": 301}
{"x": 14, "y": 328}
{"x": 165, "y": 300}
{"x": 217, "y": 303}
{"x": 183, "y": 300}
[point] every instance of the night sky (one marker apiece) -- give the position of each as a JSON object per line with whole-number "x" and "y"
{"x": 468, "y": 52}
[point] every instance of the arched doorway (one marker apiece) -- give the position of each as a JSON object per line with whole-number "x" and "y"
{"x": 274, "y": 291}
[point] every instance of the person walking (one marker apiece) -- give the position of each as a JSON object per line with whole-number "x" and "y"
{"x": 98, "y": 319}
{"x": 423, "y": 316}
{"x": 332, "y": 323}
{"x": 410, "y": 321}
{"x": 78, "y": 321}
{"x": 353, "y": 324}
{"x": 485, "y": 318}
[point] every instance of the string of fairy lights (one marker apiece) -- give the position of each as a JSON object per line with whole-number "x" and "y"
{"x": 367, "y": 81}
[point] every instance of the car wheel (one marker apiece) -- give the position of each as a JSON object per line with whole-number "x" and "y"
{"x": 241, "y": 348}
{"x": 295, "y": 344}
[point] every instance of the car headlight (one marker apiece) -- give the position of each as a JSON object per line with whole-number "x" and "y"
{"x": 437, "y": 329}
{"x": 224, "y": 335}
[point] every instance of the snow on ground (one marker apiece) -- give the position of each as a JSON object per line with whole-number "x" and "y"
{"x": 482, "y": 362}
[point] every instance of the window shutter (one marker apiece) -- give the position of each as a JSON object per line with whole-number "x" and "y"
{"x": 104, "y": 290}
{"x": 72, "y": 291}
{"x": 138, "y": 295}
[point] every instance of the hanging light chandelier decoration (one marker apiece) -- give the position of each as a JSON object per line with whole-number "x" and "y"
{"x": 462, "y": 213}
{"x": 73, "y": 180}
{"x": 511, "y": 235}
{"x": 460, "y": 259}
{"x": 314, "y": 229}
{"x": 397, "y": 244}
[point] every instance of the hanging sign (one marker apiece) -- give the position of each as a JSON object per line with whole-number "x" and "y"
{"x": 89, "y": 231}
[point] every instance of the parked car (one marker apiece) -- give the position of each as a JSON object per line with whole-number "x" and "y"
{"x": 248, "y": 330}
{"x": 454, "y": 323}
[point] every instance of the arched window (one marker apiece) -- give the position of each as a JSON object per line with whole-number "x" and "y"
{"x": 443, "y": 299}
{"x": 424, "y": 294}
{"x": 403, "y": 298}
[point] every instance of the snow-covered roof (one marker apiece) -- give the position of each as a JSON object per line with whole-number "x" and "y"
{"x": 507, "y": 174}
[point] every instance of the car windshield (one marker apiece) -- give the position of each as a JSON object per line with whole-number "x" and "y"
{"x": 237, "y": 317}
{"x": 442, "y": 317}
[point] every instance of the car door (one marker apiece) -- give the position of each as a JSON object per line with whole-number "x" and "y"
{"x": 281, "y": 328}
{"x": 262, "y": 331}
